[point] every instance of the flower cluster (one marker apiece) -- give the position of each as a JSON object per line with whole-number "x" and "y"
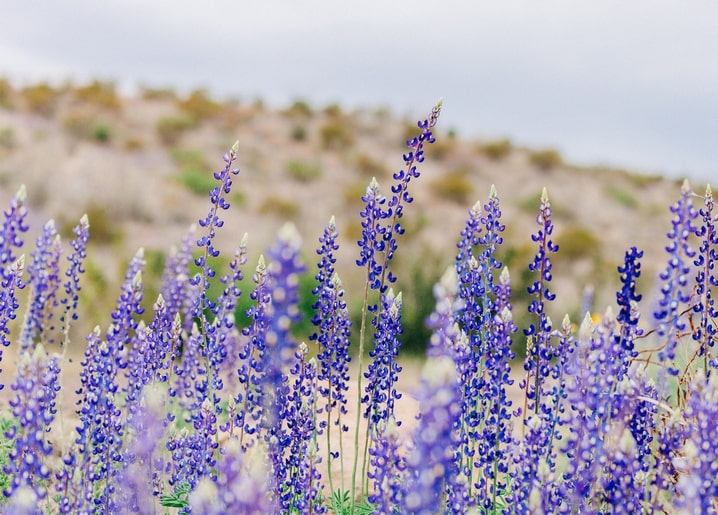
{"x": 198, "y": 407}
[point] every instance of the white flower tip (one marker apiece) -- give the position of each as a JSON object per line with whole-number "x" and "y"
{"x": 505, "y": 276}
{"x": 245, "y": 240}
{"x": 235, "y": 147}
{"x": 492, "y": 192}
{"x": 450, "y": 281}
{"x": 289, "y": 235}
{"x": 544, "y": 195}
{"x": 140, "y": 253}
{"x": 608, "y": 315}
{"x": 20, "y": 264}
{"x": 439, "y": 370}
{"x": 332, "y": 223}
{"x": 21, "y": 194}
{"x": 84, "y": 221}
{"x": 686, "y": 186}
{"x": 261, "y": 263}
{"x": 586, "y": 326}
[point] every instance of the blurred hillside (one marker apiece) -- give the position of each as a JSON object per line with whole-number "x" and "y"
{"x": 141, "y": 166}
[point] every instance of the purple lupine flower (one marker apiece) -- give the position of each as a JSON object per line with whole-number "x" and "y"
{"x": 284, "y": 270}
{"x": 611, "y": 424}
{"x": 227, "y": 332}
{"x": 33, "y": 407}
{"x": 101, "y": 428}
{"x": 10, "y": 282}
{"x": 12, "y": 228}
{"x": 430, "y": 465}
{"x": 383, "y": 372}
{"x": 627, "y": 300}
{"x": 176, "y": 287}
{"x": 706, "y": 279}
{"x": 387, "y": 466}
{"x": 301, "y": 487}
{"x": 149, "y": 357}
{"x": 250, "y": 374}
{"x": 625, "y": 480}
{"x": 373, "y": 234}
{"x": 449, "y": 341}
{"x": 212, "y": 222}
{"x": 188, "y": 385}
{"x": 494, "y": 437}
{"x": 129, "y": 306}
{"x": 381, "y": 224}
{"x": 446, "y": 334}
{"x": 240, "y": 486}
{"x": 44, "y": 280}
{"x": 540, "y": 351}
{"x": 378, "y": 236}
{"x": 331, "y": 318}
{"x": 534, "y": 482}
{"x": 479, "y": 315}
{"x": 193, "y": 450}
{"x": 697, "y": 487}
{"x": 675, "y": 289}
{"x": 74, "y": 270}
{"x": 138, "y": 481}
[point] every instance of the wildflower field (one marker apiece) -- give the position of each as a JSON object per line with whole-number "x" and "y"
{"x": 185, "y": 410}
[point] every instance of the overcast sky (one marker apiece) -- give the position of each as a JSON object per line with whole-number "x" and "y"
{"x": 626, "y": 83}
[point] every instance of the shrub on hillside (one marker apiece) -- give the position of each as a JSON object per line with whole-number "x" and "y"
{"x": 545, "y": 159}
{"x": 496, "y": 150}
{"x": 41, "y": 98}
{"x": 454, "y": 185}
{"x": 98, "y": 94}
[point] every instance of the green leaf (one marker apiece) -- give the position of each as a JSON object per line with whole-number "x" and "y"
{"x": 178, "y": 499}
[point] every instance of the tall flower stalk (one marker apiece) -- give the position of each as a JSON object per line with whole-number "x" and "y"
{"x": 331, "y": 318}
{"x": 380, "y": 227}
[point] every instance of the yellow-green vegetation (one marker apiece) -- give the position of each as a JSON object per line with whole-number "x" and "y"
{"x": 622, "y": 196}
{"x": 105, "y": 229}
{"x": 41, "y": 98}
{"x": 195, "y": 173}
{"x": 353, "y": 193}
{"x": 85, "y": 125}
{"x": 546, "y": 159}
{"x": 299, "y": 109}
{"x": 198, "y": 106}
{"x": 496, "y": 150}
{"x": 299, "y": 133}
{"x": 454, "y": 185}
{"x": 6, "y": 93}
{"x": 369, "y": 167}
{"x": 336, "y": 134}
{"x": 7, "y": 138}
{"x": 170, "y": 129}
{"x": 279, "y": 207}
{"x": 303, "y": 172}
{"x": 576, "y": 242}
{"x": 99, "y": 94}
{"x": 149, "y": 93}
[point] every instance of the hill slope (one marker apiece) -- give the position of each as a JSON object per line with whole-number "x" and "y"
{"x": 140, "y": 167}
